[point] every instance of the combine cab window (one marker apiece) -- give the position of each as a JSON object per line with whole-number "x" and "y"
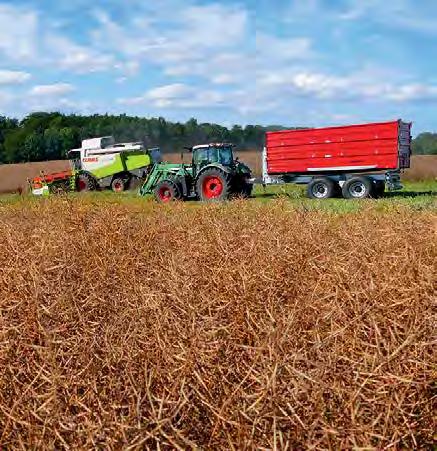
{"x": 74, "y": 157}
{"x": 107, "y": 142}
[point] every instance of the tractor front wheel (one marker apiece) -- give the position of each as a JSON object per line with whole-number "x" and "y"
{"x": 167, "y": 191}
{"x": 213, "y": 186}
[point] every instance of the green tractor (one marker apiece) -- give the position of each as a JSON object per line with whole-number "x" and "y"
{"x": 213, "y": 175}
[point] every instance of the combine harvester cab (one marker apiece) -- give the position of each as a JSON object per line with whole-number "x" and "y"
{"x": 99, "y": 164}
{"x": 354, "y": 161}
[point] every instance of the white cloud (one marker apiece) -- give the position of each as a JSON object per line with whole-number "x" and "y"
{"x": 413, "y": 92}
{"x": 57, "y": 89}
{"x": 18, "y": 33}
{"x": 356, "y": 86}
{"x": 172, "y": 91}
{"x": 10, "y": 77}
{"x": 77, "y": 58}
{"x": 405, "y": 14}
{"x": 214, "y": 25}
{"x": 177, "y": 95}
{"x": 178, "y": 42}
{"x": 282, "y": 48}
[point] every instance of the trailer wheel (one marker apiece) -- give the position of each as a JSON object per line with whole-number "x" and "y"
{"x": 321, "y": 188}
{"x": 357, "y": 188}
{"x": 167, "y": 191}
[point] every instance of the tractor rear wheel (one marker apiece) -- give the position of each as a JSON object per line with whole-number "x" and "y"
{"x": 167, "y": 191}
{"x": 85, "y": 182}
{"x": 247, "y": 190}
{"x": 213, "y": 186}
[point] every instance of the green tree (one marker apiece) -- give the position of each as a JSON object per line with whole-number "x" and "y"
{"x": 425, "y": 144}
{"x": 34, "y": 148}
{"x": 43, "y": 136}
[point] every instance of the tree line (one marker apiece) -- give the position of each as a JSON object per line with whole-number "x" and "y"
{"x": 49, "y": 136}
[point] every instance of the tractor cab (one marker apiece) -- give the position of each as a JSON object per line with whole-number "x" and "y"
{"x": 204, "y": 155}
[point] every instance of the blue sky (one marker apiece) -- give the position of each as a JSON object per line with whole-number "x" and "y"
{"x": 289, "y": 62}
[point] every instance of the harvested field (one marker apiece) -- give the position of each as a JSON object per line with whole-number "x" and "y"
{"x": 13, "y": 177}
{"x": 423, "y": 167}
{"x": 242, "y": 325}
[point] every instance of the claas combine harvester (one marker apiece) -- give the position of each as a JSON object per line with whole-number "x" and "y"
{"x": 213, "y": 173}
{"x": 99, "y": 164}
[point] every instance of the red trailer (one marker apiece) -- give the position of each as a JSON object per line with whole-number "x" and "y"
{"x": 357, "y": 160}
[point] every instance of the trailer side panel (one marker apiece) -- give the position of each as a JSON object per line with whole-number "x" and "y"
{"x": 369, "y": 147}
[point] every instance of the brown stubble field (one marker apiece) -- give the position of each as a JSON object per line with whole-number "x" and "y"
{"x": 233, "y": 326}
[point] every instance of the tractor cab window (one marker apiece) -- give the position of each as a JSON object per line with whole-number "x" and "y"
{"x": 201, "y": 156}
{"x": 213, "y": 154}
{"x": 226, "y": 156}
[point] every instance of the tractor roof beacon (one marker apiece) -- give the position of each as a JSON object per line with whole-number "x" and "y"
{"x": 213, "y": 175}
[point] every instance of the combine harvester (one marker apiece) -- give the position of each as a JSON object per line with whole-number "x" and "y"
{"x": 100, "y": 163}
{"x": 355, "y": 161}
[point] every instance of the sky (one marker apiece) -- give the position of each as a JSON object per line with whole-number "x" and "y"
{"x": 285, "y": 62}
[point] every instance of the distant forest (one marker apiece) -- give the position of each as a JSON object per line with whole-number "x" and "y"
{"x": 48, "y": 136}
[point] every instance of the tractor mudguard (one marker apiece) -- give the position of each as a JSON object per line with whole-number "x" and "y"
{"x": 225, "y": 169}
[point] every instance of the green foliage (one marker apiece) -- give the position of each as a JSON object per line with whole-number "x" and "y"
{"x": 49, "y": 136}
{"x": 425, "y": 144}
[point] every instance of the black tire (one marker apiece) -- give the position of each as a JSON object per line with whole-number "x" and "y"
{"x": 166, "y": 191}
{"x": 321, "y": 188}
{"x": 213, "y": 185}
{"x": 241, "y": 188}
{"x": 118, "y": 185}
{"x": 59, "y": 188}
{"x": 378, "y": 189}
{"x": 357, "y": 188}
{"x": 86, "y": 182}
{"x": 246, "y": 192}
